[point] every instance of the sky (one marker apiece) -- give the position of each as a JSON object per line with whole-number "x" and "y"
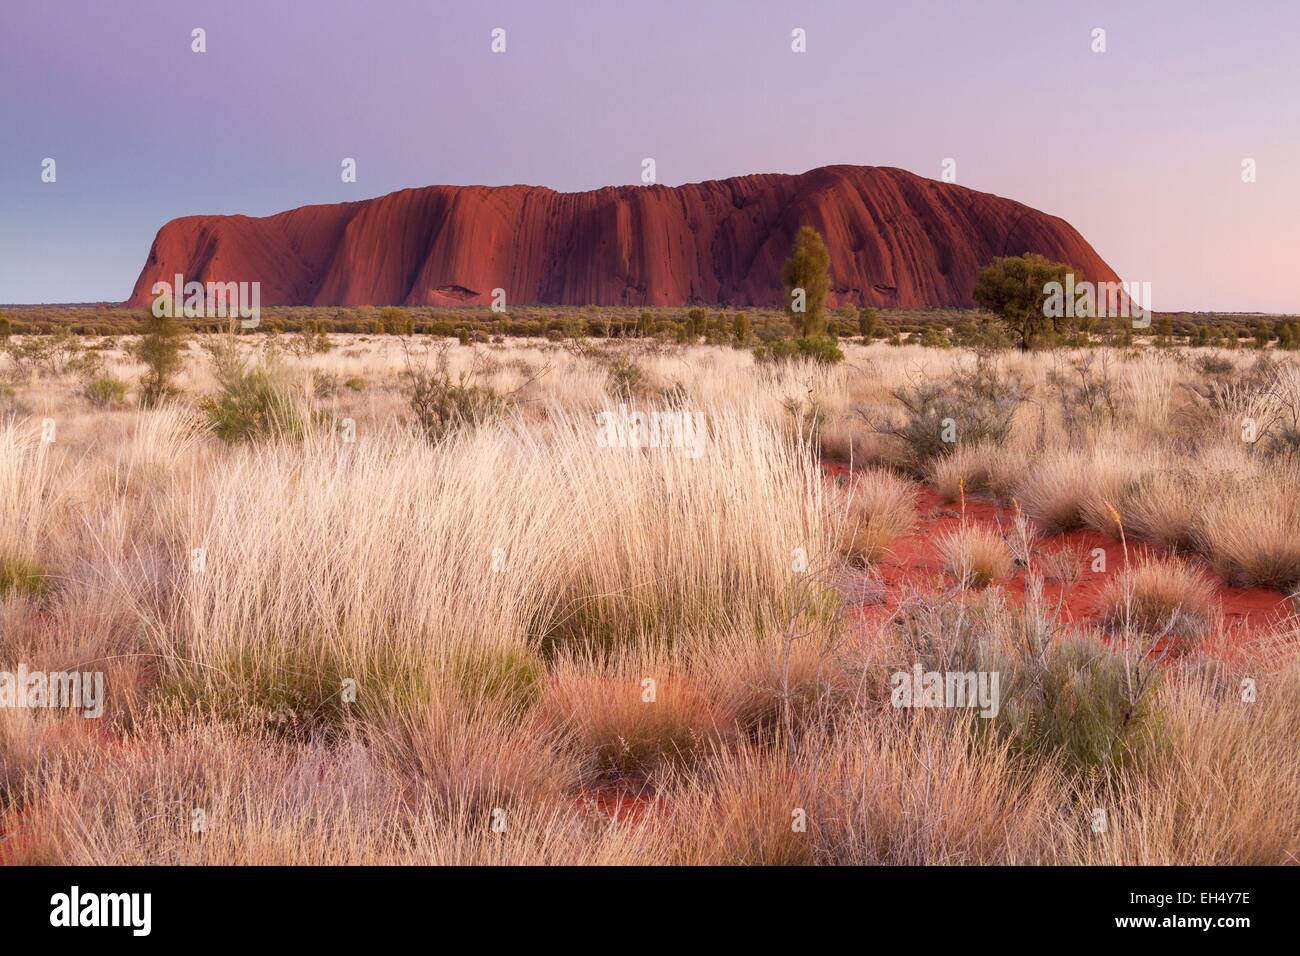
{"x": 1139, "y": 147}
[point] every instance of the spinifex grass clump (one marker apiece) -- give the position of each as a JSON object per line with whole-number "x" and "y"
{"x": 881, "y": 508}
{"x": 753, "y": 505}
{"x": 1158, "y": 597}
{"x": 475, "y": 763}
{"x": 507, "y": 679}
{"x": 1067, "y": 488}
{"x": 976, "y": 556}
{"x": 25, "y": 498}
{"x": 629, "y": 725}
{"x": 298, "y": 686}
{"x": 978, "y": 470}
{"x": 1251, "y": 531}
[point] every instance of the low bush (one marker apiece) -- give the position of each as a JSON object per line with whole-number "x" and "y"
{"x": 253, "y": 403}
{"x": 105, "y": 391}
{"x": 444, "y": 404}
{"x": 976, "y": 556}
{"x": 1086, "y": 705}
{"x": 819, "y": 349}
{"x": 974, "y": 406}
{"x": 1158, "y": 597}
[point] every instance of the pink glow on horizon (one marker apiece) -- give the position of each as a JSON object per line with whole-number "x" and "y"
{"x": 1139, "y": 148}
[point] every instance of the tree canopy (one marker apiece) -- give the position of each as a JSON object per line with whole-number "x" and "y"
{"x": 1014, "y": 288}
{"x": 807, "y": 280}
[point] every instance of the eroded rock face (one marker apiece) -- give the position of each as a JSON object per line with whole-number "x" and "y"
{"x": 896, "y": 240}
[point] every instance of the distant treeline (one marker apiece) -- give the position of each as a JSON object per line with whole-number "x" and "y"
{"x": 935, "y": 327}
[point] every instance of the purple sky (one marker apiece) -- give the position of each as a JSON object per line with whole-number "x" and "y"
{"x": 1140, "y": 147}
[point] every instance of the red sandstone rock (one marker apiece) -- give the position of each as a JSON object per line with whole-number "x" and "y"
{"x": 896, "y": 240}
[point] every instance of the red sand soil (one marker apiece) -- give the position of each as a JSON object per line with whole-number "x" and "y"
{"x": 628, "y": 799}
{"x": 914, "y": 562}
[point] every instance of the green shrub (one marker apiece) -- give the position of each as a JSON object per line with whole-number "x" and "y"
{"x": 819, "y": 349}
{"x": 933, "y": 338}
{"x": 625, "y": 379}
{"x": 443, "y": 405}
{"x": 1083, "y": 703}
{"x": 311, "y": 340}
{"x": 1215, "y": 365}
{"x": 697, "y": 323}
{"x": 807, "y": 270}
{"x": 104, "y": 391}
{"x": 396, "y": 321}
{"x": 253, "y": 403}
{"x": 1061, "y": 695}
{"x": 869, "y": 325}
{"x": 740, "y": 328}
{"x": 162, "y": 351}
{"x": 324, "y": 384}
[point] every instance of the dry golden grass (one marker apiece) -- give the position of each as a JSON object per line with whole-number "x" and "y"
{"x": 1252, "y": 534}
{"x": 881, "y": 507}
{"x": 979, "y": 469}
{"x": 635, "y": 721}
{"x": 1163, "y": 508}
{"x": 1219, "y": 793}
{"x": 325, "y": 651}
{"x": 1073, "y": 488}
{"x": 1160, "y": 597}
{"x": 976, "y": 556}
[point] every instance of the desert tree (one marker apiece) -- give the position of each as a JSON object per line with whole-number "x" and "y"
{"x": 740, "y": 328}
{"x": 1164, "y": 329}
{"x": 1263, "y": 334}
{"x": 161, "y": 350}
{"x": 868, "y": 323}
{"x": 807, "y": 280}
{"x": 697, "y": 323}
{"x": 1015, "y": 289}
